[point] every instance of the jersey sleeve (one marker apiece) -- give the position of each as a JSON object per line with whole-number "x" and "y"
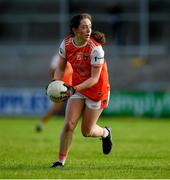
{"x": 97, "y": 56}
{"x": 53, "y": 63}
{"x": 62, "y": 51}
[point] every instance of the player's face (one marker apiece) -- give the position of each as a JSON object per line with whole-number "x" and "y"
{"x": 84, "y": 30}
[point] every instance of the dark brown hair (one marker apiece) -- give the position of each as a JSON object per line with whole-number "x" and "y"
{"x": 75, "y": 21}
{"x": 99, "y": 37}
{"x": 96, "y": 35}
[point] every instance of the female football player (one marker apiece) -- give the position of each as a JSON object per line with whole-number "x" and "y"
{"x": 89, "y": 93}
{"x": 56, "y": 107}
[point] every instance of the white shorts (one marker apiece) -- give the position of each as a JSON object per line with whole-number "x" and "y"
{"x": 96, "y": 105}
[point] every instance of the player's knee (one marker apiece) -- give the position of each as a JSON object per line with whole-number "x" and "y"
{"x": 69, "y": 127}
{"x": 87, "y": 132}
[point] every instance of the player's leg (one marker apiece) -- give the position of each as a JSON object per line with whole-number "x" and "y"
{"x": 91, "y": 129}
{"x": 89, "y": 126}
{"x": 73, "y": 112}
{"x": 56, "y": 107}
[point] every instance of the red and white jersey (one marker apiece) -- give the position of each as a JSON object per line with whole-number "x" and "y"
{"x": 67, "y": 77}
{"x": 82, "y": 58}
{"x": 54, "y": 61}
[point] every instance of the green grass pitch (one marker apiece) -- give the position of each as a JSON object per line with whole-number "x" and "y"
{"x": 141, "y": 149}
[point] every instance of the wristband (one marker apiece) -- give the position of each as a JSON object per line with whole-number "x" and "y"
{"x": 75, "y": 88}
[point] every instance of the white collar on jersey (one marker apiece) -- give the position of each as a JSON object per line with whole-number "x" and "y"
{"x": 77, "y": 45}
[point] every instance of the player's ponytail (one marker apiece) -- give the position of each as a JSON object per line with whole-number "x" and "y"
{"x": 99, "y": 37}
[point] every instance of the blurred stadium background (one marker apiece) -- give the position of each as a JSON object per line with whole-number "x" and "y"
{"x": 137, "y": 52}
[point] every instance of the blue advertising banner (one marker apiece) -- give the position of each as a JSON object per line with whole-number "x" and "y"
{"x": 23, "y": 101}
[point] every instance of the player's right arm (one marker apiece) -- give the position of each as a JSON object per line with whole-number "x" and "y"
{"x": 61, "y": 63}
{"x": 60, "y": 68}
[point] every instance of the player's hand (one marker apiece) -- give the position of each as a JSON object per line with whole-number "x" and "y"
{"x": 70, "y": 90}
{"x": 64, "y": 96}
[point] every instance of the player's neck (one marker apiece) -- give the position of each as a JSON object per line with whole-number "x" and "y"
{"x": 78, "y": 41}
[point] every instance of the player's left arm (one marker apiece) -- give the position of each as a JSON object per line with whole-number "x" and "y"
{"x": 97, "y": 60}
{"x": 95, "y": 75}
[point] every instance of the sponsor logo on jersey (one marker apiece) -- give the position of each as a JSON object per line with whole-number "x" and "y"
{"x": 85, "y": 56}
{"x": 61, "y": 50}
{"x": 99, "y": 93}
{"x": 79, "y": 55}
{"x": 104, "y": 101}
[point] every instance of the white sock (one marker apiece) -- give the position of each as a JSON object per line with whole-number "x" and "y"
{"x": 62, "y": 161}
{"x": 62, "y": 157}
{"x": 106, "y": 133}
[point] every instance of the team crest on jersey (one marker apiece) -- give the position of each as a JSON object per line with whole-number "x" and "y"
{"x": 78, "y": 55}
{"x": 104, "y": 101}
{"x": 61, "y": 50}
{"x": 99, "y": 93}
{"x": 85, "y": 56}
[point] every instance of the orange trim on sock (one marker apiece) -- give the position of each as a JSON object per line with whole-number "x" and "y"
{"x": 62, "y": 155}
